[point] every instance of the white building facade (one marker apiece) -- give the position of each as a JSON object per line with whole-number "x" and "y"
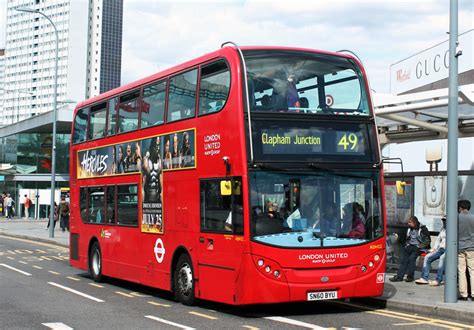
{"x": 30, "y": 54}
{"x": 2, "y": 75}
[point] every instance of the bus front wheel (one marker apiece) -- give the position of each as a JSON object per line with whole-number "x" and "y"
{"x": 95, "y": 262}
{"x": 184, "y": 281}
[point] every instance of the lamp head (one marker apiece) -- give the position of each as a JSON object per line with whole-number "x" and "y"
{"x": 27, "y": 10}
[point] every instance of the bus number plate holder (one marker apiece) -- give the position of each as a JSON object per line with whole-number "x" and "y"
{"x": 322, "y": 295}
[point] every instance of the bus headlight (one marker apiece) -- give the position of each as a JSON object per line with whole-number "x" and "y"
{"x": 268, "y": 269}
{"x": 260, "y": 262}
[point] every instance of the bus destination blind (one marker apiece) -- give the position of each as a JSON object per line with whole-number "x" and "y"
{"x": 311, "y": 141}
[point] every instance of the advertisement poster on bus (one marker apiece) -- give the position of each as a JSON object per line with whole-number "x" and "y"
{"x": 150, "y": 157}
{"x": 95, "y": 162}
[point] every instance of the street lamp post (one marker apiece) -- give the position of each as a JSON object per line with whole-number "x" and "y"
{"x": 55, "y": 97}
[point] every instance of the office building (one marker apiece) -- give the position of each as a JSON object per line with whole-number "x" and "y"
{"x": 89, "y": 63}
{"x": 89, "y": 59}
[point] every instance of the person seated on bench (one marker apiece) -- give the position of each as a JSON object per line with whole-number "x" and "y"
{"x": 437, "y": 252}
{"x": 416, "y": 240}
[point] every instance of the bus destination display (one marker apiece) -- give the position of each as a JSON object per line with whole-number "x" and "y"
{"x": 311, "y": 141}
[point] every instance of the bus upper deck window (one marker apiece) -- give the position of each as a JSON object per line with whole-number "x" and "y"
{"x": 182, "y": 96}
{"x": 153, "y": 105}
{"x": 80, "y": 125}
{"x": 128, "y": 112}
{"x": 214, "y": 87}
{"x": 305, "y": 83}
{"x": 97, "y": 121}
{"x": 112, "y": 116}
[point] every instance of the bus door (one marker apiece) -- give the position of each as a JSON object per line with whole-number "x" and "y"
{"x": 221, "y": 238}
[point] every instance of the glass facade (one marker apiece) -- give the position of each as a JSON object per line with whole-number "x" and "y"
{"x": 34, "y": 153}
{"x": 26, "y": 169}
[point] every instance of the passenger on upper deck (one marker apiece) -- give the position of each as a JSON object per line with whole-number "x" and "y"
{"x": 292, "y": 99}
{"x": 304, "y": 103}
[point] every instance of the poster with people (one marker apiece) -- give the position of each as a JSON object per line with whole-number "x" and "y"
{"x": 150, "y": 157}
{"x": 160, "y": 154}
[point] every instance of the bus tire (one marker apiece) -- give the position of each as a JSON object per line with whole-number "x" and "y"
{"x": 95, "y": 262}
{"x": 184, "y": 281}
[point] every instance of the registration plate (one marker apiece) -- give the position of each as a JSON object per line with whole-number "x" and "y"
{"x": 324, "y": 295}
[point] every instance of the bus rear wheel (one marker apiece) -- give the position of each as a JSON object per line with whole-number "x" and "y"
{"x": 95, "y": 262}
{"x": 184, "y": 281}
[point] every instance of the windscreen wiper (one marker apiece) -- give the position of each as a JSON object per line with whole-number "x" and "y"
{"x": 265, "y": 166}
{"x": 319, "y": 235}
{"x": 324, "y": 168}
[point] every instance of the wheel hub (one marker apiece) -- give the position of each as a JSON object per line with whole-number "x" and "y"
{"x": 96, "y": 263}
{"x": 185, "y": 280}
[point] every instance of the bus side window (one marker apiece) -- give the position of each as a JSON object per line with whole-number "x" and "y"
{"x": 97, "y": 121}
{"x": 112, "y": 116}
{"x": 127, "y": 205}
{"x": 83, "y": 203}
{"x": 214, "y": 87}
{"x": 96, "y": 204}
{"x": 182, "y": 96}
{"x": 80, "y": 125}
{"x": 221, "y": 213}
{"x": 153, "y": 105}
{"x": 128, "y": 112}
{"x": 110, "y": 205}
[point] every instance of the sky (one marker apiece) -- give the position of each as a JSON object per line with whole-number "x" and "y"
{"x": 161, "y": 33}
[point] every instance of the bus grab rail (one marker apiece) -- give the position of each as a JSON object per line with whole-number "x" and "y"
{"x": 246, "y": 94}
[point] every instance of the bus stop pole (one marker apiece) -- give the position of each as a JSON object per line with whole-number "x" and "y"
{"x": 451, "y": 262}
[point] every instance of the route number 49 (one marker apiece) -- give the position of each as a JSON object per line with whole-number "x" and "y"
{"x": 349, "y": 141}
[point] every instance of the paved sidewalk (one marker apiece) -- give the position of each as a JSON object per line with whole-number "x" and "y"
{"x": 36, "y": 229}
{"x": 423, "y": 299}
{"x": 407, "y": 297}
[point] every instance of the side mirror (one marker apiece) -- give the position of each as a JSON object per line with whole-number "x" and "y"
{"x": 400, "y": 187}
{"x": 226, "y": 187}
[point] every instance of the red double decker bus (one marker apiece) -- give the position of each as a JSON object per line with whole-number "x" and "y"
{"x": 248, "y": 175}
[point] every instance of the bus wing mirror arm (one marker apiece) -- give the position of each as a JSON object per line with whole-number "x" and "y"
{"x": 400, "y": 185}
{"x": 226, "y": 160}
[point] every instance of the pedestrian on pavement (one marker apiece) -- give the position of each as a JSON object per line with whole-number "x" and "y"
{"x": 437, "y": 252}
{"x": 2, "y": 206}
{"x": 465, "y": 248}
{"x": 10, "y": 206}
{"x": 27, "y": 206}
{"x": 56, "y": 217}
{"x": 63, "y": 211}
{"x": 417, "y": 239}
{"x": 5, "y": 200}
